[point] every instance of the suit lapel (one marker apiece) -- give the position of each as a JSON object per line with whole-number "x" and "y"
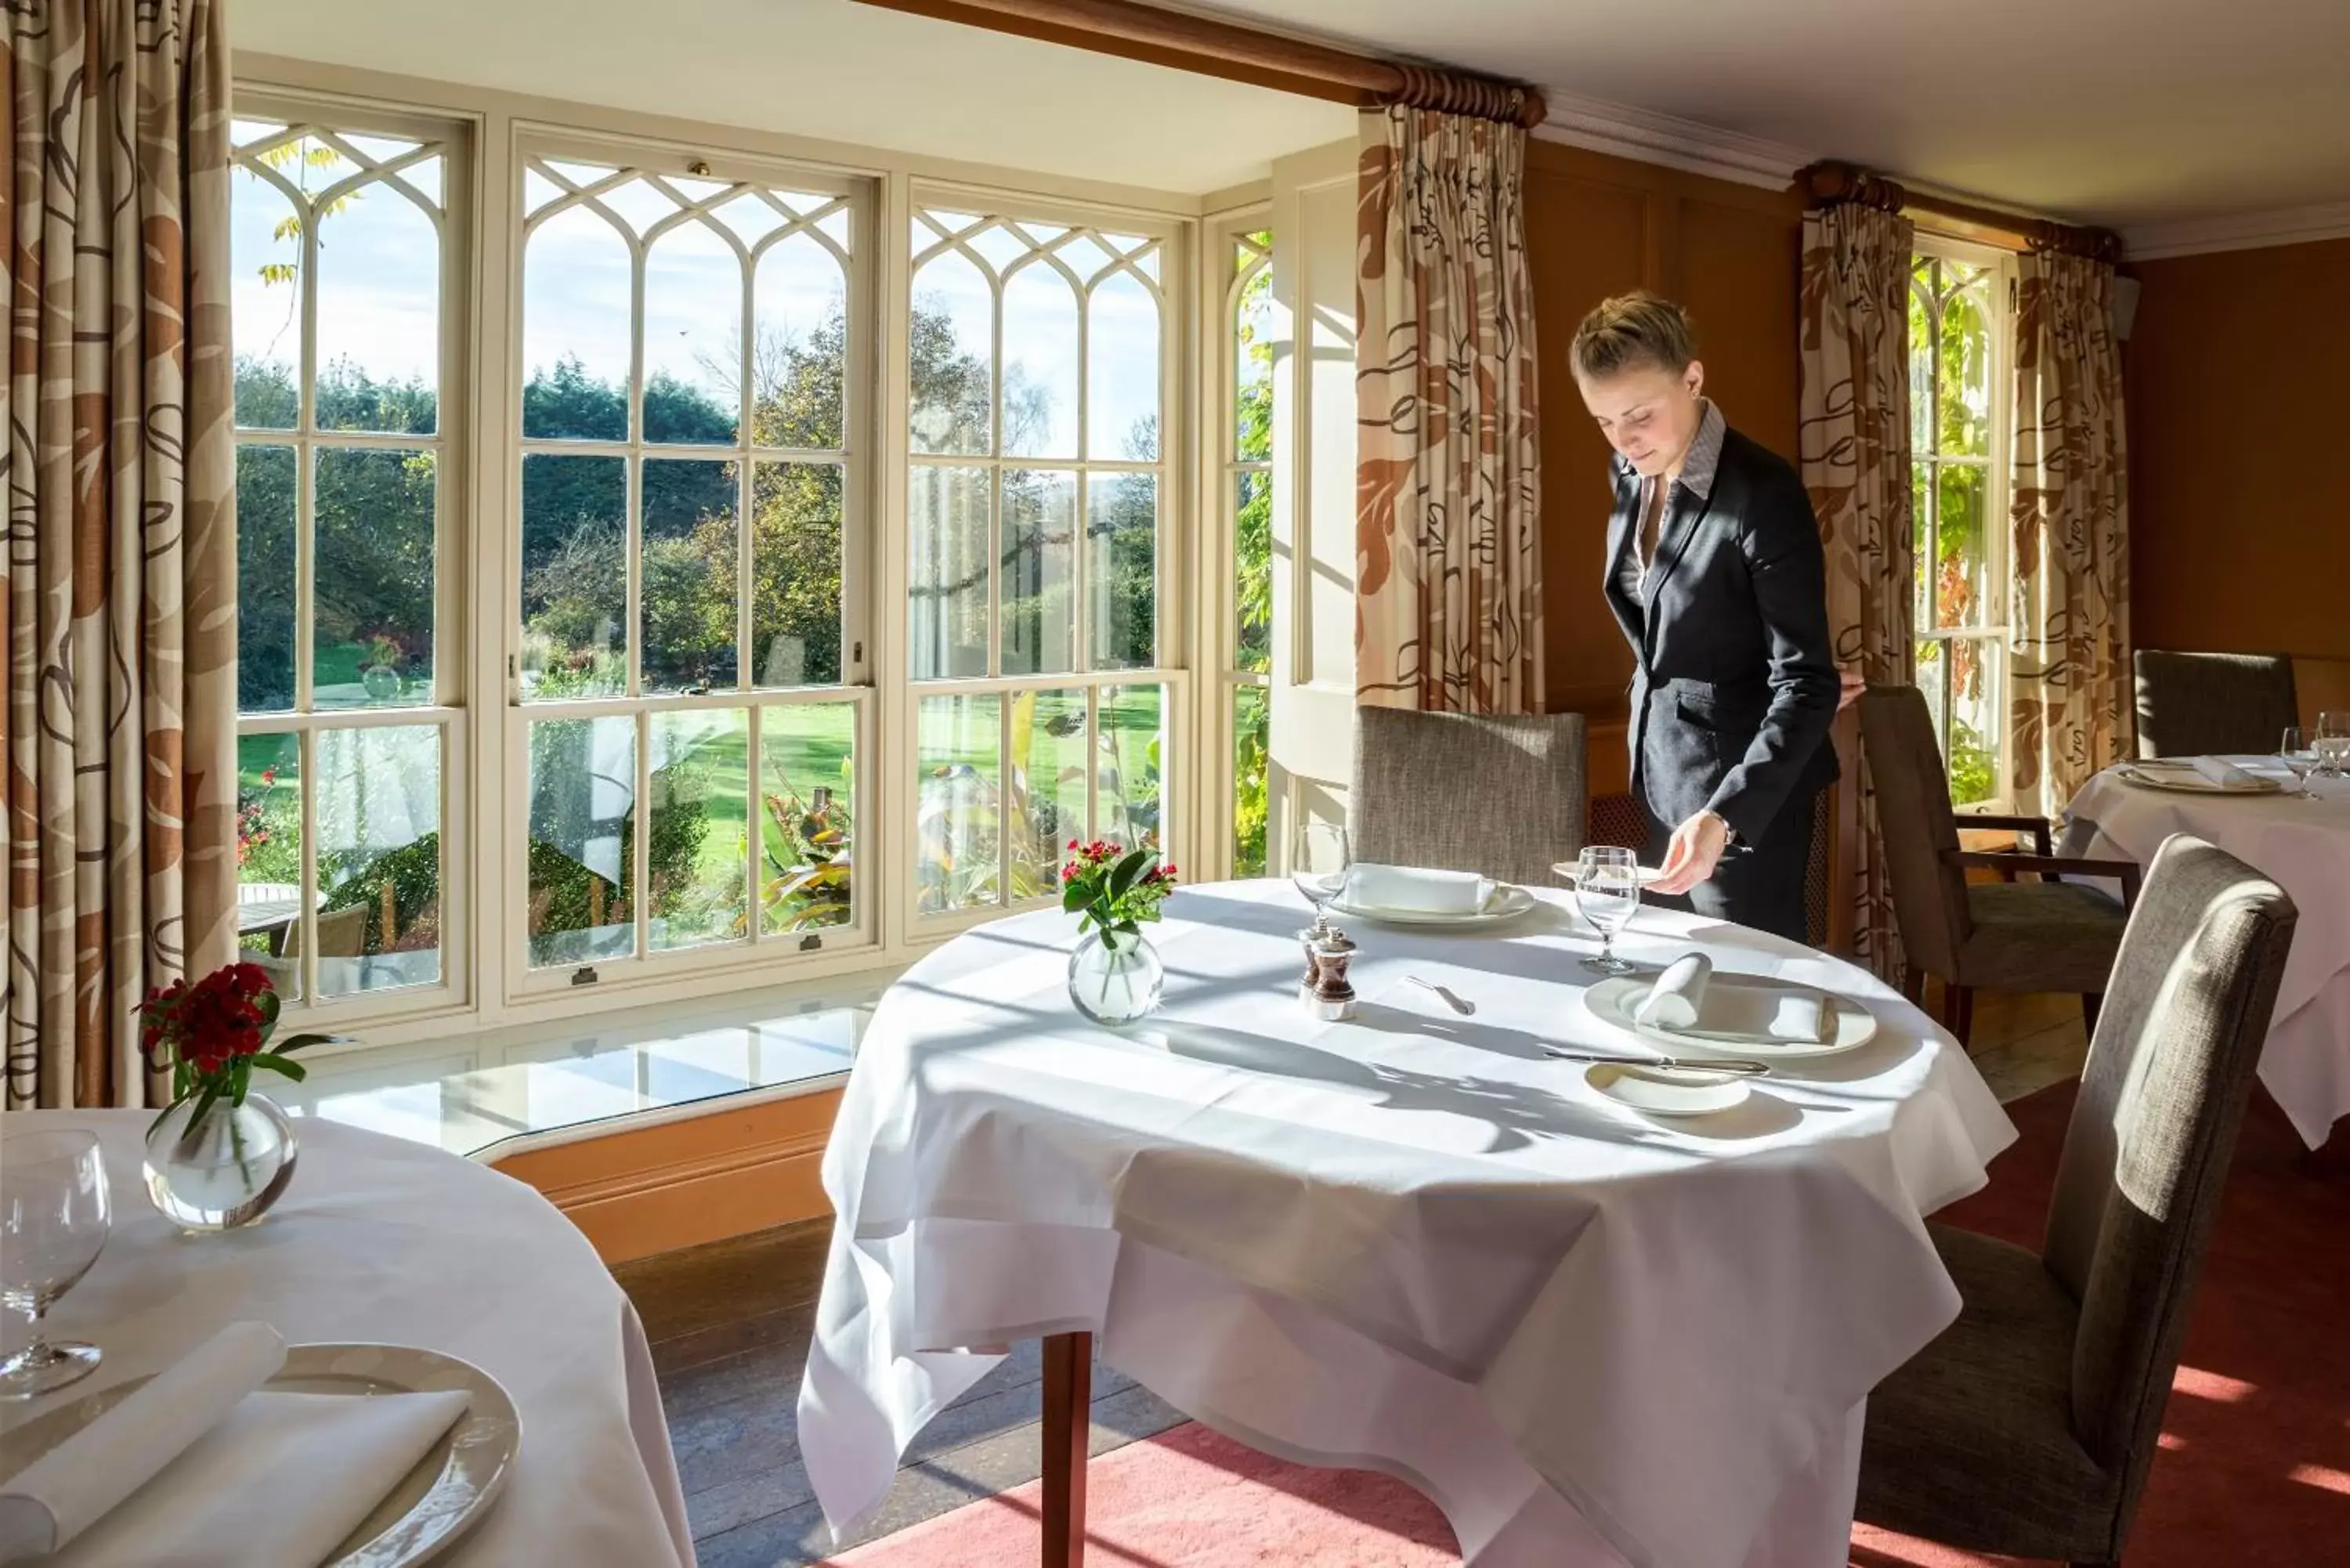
{"x": 1619, "y": 539}
{"x": 1682, "y": 516}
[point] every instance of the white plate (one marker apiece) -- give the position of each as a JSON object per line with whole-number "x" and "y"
{"x": 1508, "y": 903}
{"x": 1567, "y": 871}
{"x": 2184, "y": 779}
{"x": 1612, "y": 1001}
{"x": 451, "y": 1486}
{"x": 1663, "y": 1092}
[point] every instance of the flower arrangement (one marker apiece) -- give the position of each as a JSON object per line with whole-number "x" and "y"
{"x": 1114, "y": 890}
{"x": 212, "y": 1035}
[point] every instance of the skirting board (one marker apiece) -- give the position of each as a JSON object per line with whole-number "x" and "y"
{"x": 639, "y": 1190}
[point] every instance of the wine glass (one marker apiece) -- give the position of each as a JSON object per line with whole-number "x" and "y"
{"x": 2332, "y": 744}
{"x": 1319, "y": 859}
{"x": 2298, "y": 754}
{"x": 53, "y": 1223}
{"x": 1607, "y": 891}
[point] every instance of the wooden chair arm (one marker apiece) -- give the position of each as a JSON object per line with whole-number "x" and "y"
{"x": 2035, "y": 826}
{"x": 2125, "y": 871}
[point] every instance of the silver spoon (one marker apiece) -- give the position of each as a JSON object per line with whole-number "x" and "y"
{"x": 1461, "y": 1005}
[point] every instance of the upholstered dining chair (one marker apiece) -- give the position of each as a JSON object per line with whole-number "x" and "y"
{"x": 2043, "y": 935}
{"x": 1500, "y": 795}
{"x": 2199, "y": 704}
{"x": 2027, "y": 1427}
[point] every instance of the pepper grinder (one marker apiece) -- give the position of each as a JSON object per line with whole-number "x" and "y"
{"x": 1327, "y": 993}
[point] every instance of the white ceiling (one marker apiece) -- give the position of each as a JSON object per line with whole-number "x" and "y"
{"x": 2118, "y": 111}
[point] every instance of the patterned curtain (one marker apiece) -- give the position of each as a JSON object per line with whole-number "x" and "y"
{"x": 1856, "y": 459}
{"x": 121, "y": 564}
{"x": 2072, "y": 706}
{"x": 1447, "y": 505}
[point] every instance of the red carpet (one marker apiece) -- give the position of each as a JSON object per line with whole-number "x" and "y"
{"x": 2254, "y": 1468}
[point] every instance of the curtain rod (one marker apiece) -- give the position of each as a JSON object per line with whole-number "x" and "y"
{"x": 1830, "y": 183}
{"x": 1215, "y": 48}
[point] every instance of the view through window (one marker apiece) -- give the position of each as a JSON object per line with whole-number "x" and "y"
{"x": 1248, "y": 480}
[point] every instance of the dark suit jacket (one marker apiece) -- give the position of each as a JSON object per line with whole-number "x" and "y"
{"x": 1734, "y": 681}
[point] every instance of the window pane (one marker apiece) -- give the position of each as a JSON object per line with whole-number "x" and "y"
{"x": 796, "y": 584}
{"x": 379, "y": 802}
{"x": 1122, "y": 559}
{"x": 1964, "y": 375}
{"x": 1040, "y": 364}
{"x": 688, "y": 574}
{"x": 1921, "y": 364}
{"x": 264, "y": 302}
{"x": 1962, "y": 587}
{"x": 1040, "y": 563}
{"x": 1933, "y": 673}
{"x": 1048, "y": 786}
{"x": 696, "y": 857}
{"x": 575, "y": 328}
{"x": 1253, "y": 555}
{"x": 694, "y": 336}
{"x": 265, "y": 578}
{"x": 1252, "y": 368}
{"x": 956, "y": 806}
{"x": 1122, "y": 371}
{"x": 807, "y": 790}
{"x": 800, "y": 365}
{"x": 269, "y": 857}
{"x": 1127, "y": 810}
{"x": 1921, "y": 540}
{"x": 947, "y": 613}
{"x": 575, "y": 575}
{"x": 1975, "y": 745}
{"x": 371, "y": 644}
{"x": 378, "y": 314}
{"x": 950, "y": 358}
{"x": 583, "y": 791}
{"x": 1252, "y": 734}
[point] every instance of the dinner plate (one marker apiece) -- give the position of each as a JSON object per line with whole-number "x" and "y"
{"x": 2185, "y": 780}
{"x": 1509, "y": 902}
{"x": 1646, "y": 876}
{"x": 1612, "y": 1001}
{"x": 437, "y": 1502}
{"x": 1663, "y": 1092}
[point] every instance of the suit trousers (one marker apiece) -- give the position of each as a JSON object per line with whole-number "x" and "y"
{"x": 1759, "y": 885}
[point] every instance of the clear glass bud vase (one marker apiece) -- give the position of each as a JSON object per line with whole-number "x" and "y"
{"x": 222, "y": 1169}
{"x": 1114, "y": 986}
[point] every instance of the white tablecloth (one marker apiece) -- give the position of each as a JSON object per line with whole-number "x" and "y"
{"x": 2304, "y": 845}
{"x": 1411, "y": 1241}
{"x": 379, "y": 1239}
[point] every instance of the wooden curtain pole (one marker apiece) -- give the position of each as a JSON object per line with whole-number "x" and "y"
{"x": 1831, "y": 183}
{"x": 1219, "y": 49}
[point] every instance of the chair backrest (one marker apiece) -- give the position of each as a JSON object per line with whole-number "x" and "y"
{"x": 2139, "y": 1184}
{"x": 1913, "y": 810}
{"x": 2196, "y": 704}
{"x": 1500, "y": 795}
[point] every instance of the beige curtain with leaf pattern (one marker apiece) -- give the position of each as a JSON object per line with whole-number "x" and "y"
{"x": 1448, "y": 475}
{"x": 121, "y": 597}
{"x": 2072, "y": 707}
{"x": 1856, "y": 462}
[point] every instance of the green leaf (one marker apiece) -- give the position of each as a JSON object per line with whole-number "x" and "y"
{"x": 277, "y": 1064}
{"x": 1130, "y": 928}
{"x": 1122, "y": 880}
{"x": 282, "y": 1047}
{"x": 270, "y": 1006}
{"x": 1073, "y": 898}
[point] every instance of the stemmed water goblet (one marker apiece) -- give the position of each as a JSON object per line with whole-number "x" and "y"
{"x": 54, "y": 1217}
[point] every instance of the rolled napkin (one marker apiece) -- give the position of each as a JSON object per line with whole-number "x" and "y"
{"x": 2225, "y": 773}
{"x": 1674, "y": 1001}
{"x": 1417, "y": 890}
{"x": 1687, "y": 999}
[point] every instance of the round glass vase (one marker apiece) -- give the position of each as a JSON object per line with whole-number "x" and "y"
{"x": 1115, "y": 986}
{"x": 224, "y": 1168}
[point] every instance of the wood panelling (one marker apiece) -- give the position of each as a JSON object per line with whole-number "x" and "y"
{"x": 645, "y": 1189}
{"x": 1598, "y": 225}
{"x": 2237, "y": 498}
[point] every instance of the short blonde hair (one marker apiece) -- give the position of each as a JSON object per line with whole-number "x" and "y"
{"x": 1635, "y": 328}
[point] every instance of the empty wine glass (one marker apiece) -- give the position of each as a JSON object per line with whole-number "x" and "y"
{"x": 1319, "y": 859}
{"x": 53, "y": 1222}
{"x": 1607, "y": 891}
{"x": 2332, "y": 744}
{"x": 2298, "y": 755}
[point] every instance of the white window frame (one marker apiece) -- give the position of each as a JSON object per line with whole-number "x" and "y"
{"x": 1998, "y": 487}
{"x": 1224, "y": 277}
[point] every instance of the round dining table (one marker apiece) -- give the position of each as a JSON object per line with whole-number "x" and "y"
{"x": 1408, "y": 1241}
{"x": 2299, "y": 839}
{"x": 381, "y": 1241}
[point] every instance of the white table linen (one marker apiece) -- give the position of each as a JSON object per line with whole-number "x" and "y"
{"x": 379, "y": 1240}
{"x": 1409, "y": 1241}
{"x": 2301, "y": 844}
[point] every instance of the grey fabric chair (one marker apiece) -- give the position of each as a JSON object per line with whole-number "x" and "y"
{"x": 2196, "y": 704}
{"x": 1502, "y": 795}
{"x": 2047, "y": 935}
{"x": 2028, "y": 1427}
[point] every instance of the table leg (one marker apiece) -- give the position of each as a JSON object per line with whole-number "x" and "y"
{"x": 1068, "y": 1397}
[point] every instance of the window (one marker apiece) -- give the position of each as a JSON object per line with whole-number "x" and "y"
{"x": 1247, "y": 425}
{"x": 348, "y": 731}
{"x": 1039, "y": 359}
{"x": 690, "y": 496}
{"x": 1959, "y": 414}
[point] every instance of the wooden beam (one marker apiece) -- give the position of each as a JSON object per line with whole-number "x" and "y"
{"x": 1211, "y": 46}
{"x": 1068, "y": 1421}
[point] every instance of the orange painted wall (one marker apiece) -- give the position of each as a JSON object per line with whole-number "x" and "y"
{"x": 2240, "y": 502}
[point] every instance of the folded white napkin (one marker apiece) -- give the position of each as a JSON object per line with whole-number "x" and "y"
{"x": 1417, "y": 890}
{"x": 2225, "y": 773}
{"x": 277, "y": 1480}
{"x": 1686, "y": 999}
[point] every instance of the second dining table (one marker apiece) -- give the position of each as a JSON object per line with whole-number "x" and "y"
{"x": 1410, "y": 1240}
